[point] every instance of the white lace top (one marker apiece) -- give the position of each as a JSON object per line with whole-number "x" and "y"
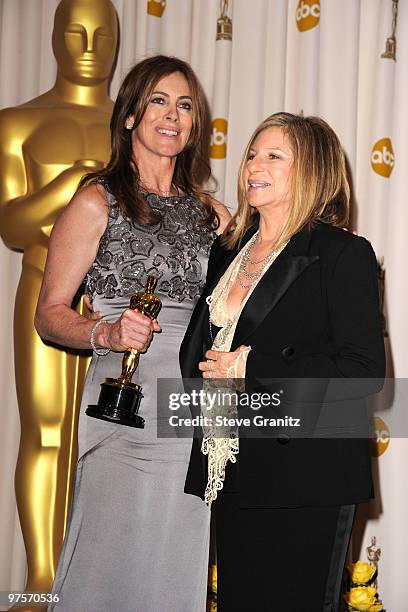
{"x": 221, "y": 449}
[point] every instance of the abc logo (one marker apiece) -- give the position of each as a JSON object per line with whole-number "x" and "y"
{"x": 380, "y": 438}
{"x": 156, "y": 7}
{"x": 382, "y": 157}
{"x": 218, "y": 148}
{"x": 307, "y": 14}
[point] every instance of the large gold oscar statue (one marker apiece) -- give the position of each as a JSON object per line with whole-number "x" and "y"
{"x": 46, "y": 146}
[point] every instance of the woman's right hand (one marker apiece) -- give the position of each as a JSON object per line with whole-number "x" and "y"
{"x": 132, "y": 330}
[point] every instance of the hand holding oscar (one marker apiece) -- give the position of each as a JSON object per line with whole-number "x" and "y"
{"x": 119, "y": 398}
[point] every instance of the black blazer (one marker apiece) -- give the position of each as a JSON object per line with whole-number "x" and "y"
{"x": 314, "y": 314}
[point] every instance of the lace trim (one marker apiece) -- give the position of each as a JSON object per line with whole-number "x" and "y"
{"x": 222, "y": 444}
{"x": 219, "y": 451}
{"x": 233, "y": 370}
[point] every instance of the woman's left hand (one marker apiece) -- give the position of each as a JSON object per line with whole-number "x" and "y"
{"x": 218, "y": 363}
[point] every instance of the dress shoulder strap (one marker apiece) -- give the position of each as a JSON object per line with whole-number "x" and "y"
{"x": 114, "y": 214}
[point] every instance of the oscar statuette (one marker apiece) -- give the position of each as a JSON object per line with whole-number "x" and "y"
{"x": 119, "y": 399}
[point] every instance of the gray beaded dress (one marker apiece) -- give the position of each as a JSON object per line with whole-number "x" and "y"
{"x": 135, "y": 541}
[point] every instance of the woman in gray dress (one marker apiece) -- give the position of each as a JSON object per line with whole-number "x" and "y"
{"x": 135, "y": 541}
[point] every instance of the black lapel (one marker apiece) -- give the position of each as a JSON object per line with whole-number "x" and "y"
{"x": 273, "y": 285}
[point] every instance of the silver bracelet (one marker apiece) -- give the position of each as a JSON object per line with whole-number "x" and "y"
{"x": 98, "y": 351}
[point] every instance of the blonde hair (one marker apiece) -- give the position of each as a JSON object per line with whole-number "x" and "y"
{"x": 320, "y": 188}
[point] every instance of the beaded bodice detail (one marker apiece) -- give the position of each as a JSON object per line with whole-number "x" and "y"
{"x": 172, "y": 250}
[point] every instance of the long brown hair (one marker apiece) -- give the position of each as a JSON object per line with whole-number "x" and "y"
{"x": 192, "y": 167}
{"x": 320, "y": 188}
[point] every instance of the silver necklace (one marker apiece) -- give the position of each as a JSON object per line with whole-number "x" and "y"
{"x": 243, "y": 271}
{"x": 251, "y": 276}
{"x": 259, "y": 260}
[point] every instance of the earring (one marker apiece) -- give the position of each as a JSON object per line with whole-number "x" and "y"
{"x": 129, "y": 125}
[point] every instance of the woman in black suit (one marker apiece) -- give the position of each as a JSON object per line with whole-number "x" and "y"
{"x": 290, "y": 297}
